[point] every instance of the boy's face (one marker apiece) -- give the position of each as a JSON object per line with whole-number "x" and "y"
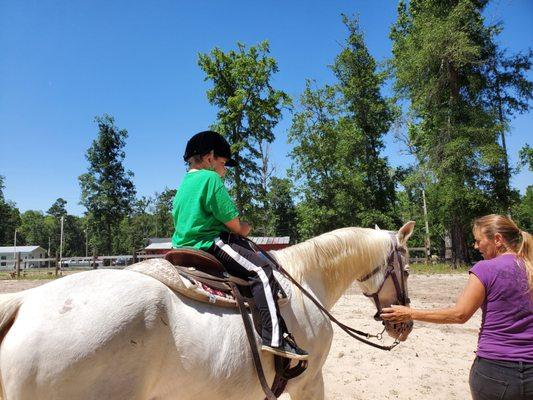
{"x": 216, "y": 163}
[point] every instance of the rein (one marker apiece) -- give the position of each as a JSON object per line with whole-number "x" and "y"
{"x": 355, "y": 333}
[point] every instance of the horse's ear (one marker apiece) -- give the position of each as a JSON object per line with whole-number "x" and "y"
{"x": 406, "y": 231}
{"x": 376, "y": 227}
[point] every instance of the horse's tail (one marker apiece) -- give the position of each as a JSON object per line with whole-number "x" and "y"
{"x": 9, "y": 306}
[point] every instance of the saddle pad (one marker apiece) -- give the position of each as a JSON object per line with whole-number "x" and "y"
{"x": 164, "y": 272}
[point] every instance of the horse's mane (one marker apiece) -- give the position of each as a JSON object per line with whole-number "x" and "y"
{"x": 342, "y": 255}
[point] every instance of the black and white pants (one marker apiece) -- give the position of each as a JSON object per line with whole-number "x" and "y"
{"x": 241, "y": 260}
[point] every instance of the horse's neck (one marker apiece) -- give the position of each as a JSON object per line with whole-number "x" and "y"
{"x": 329, "y": 264}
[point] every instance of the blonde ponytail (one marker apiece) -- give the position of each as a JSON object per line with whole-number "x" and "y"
{"x": 526, "y": 254}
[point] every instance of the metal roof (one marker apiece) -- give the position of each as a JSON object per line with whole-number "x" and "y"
{"x": 159, "y": 246}
{"x": 19, "y": 249}
{"x": 159, "y": 240}
{"x": 166, "y": 243}
{"x": 270, "y": 239}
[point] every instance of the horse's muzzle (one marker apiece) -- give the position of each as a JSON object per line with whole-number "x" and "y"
{"x": 399, "y": 330}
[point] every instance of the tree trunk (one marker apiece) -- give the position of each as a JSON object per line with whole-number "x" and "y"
{"x": 459, "y": 250}
{"x": 505, "y": 158}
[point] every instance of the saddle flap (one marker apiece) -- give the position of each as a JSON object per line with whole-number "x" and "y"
{"x": 197, "y": 259}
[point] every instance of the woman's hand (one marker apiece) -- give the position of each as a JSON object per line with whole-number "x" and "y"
{"x": 397, "y": 313}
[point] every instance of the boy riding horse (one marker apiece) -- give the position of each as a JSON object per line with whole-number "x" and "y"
{"x": 206, "y": 218}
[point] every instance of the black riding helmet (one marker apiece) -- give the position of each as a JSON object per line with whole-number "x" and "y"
{"x": 203, "y": 142}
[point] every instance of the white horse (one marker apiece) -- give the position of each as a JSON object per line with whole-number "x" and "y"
{"x": 113, "y": 335}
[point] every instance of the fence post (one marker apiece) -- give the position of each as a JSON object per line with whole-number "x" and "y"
{"x": 17, "y": 264}
{"x": 134, "y": 258}
{"x": 57, "y": 266}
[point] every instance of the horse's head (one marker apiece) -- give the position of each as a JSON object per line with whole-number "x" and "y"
{"x": 387, "y": 283}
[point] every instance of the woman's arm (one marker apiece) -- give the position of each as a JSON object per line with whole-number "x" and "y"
{"x": 468, "y": 302}
{"x": 238, "y": 227}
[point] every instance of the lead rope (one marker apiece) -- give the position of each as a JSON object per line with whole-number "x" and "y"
{"x": 349, "y": 330}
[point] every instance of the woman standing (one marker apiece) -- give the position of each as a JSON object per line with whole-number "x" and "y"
{"x": 502, "y": 285}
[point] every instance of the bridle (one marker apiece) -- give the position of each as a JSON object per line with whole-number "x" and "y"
{"x": 399, "y": 284}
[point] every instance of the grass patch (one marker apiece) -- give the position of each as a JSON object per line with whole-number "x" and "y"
{"x": 438, "y": 268}
{"x": 33, "y": 274}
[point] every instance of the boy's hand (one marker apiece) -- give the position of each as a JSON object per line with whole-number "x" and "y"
{"x": 239, "y": 227}
{"x": 245, "y": 228}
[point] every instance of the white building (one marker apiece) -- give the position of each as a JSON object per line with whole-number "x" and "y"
{"x": 27, "y": 253}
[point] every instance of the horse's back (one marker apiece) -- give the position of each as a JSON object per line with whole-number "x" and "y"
{"x": 93, "y": 335}
{"x": 122, "y": 335}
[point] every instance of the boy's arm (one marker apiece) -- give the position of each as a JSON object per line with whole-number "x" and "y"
{"x": 238, "y": 227}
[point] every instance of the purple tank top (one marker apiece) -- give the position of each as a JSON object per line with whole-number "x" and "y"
{"x": 507, "y": 321}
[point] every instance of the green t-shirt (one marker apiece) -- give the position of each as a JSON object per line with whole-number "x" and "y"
{"x": 201, "y": 207}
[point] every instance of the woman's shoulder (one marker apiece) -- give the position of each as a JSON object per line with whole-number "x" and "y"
{"x": 503, "y": 259}
{"x": 494, "y": 265}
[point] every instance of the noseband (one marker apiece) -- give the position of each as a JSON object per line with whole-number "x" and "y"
{"x": 399, "y": 285}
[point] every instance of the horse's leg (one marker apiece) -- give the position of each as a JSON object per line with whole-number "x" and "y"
{"x": 313, "y": 389}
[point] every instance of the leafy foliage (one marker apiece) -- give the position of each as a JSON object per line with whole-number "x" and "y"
{"x": 9, "y": 218}
{"x": 249, "y": 109}
{"x": 337, "y": 135}
{"x": 107, "y": 190}
{"x": 460, "y": 96}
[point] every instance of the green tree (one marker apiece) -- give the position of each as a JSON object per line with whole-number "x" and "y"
{"x": 73, "y": 236}
{"x": 508, "y": 92}
{"x": 137, "y": 226}
{"x": 107, "y": 190}
{"x": 9, "y": 218}
{"x": 33, "y": 229}
{"x": 368, "y": 115}
{"x": 282, "y": 215}
{"x": 164, "y": 224}
{"x": 338, "y": 137}
{"x": 248, "y": 110}
{"x": 53, "y": 222}
{"x": 58, "y": 209}
{"x": 526, "y": 157}
{"x": 315, "y": 155}
{"x": 442, "y": 52}
{"x": 523, "y": 211}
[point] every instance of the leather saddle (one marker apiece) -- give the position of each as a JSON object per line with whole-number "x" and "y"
{"x": 197, "y": 259}
{"x": 204, "y": 267}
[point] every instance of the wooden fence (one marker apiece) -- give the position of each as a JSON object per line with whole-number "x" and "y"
{"x": 115, "y": 262}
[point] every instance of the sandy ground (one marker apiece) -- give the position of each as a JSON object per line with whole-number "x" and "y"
{"x": 432, "y": 364}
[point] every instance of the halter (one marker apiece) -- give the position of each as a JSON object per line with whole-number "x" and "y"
{"x": 401, "y": 290}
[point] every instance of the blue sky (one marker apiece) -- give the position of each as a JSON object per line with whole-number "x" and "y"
{"x": 64, "y": 62}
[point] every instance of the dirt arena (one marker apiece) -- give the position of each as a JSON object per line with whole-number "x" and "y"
{"x": 432, "y": 364}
